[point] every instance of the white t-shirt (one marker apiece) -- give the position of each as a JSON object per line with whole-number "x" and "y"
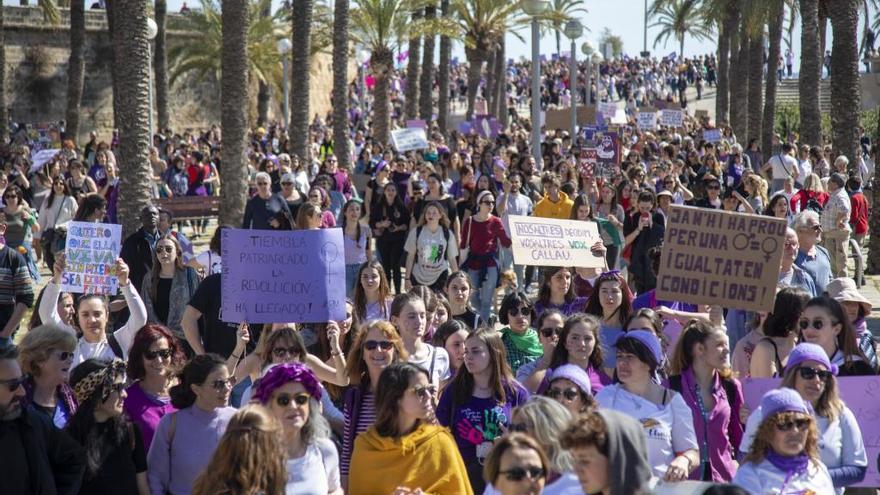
{"x": 211, "y": 261}
{"x": 316, "y": 472}
{"x": 437, "y": 364}
{"x": 840, "y": 441}
{"x": 668, "y": 429}
{"x": 783, "y": 166}
{"x": 765, "y": 479}
{"x": 433, "y": 253}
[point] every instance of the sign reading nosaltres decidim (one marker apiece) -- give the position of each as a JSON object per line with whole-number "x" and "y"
{"x": 720, "y": 257}
{"x": 549, "y": 242}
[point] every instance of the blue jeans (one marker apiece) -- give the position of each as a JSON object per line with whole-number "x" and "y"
{"x": 481, "y": 297}
{"x": 351, "y": 273}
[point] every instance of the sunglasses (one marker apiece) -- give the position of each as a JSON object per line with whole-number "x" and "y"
{"x": 117, "y": 387}
{"x": 570, "y": 393}
{"x": 223, "y": 384}
{"x": 281, "y": 352}
{"x": 65, "y": 355}
{"x": 816, "y": 323}
{"x": 548, "y": 332}
{"x": 14, "y": 384}
{"x": 808, "y": 373}
{"x": 385, "y": 345}
{"x": 520, "y": 473}
{"x": 284, "y": 400}
{"x": 162, "y": 353}
{"x": 487, "y": 202}
{"x": 714, "y": 188}
{"x": 10, "y": 196}
{"x": 519, "y": 311}
{"x": 426, "y": 392}
{"x": 801, "y": 424}
{"x": 165, "y": 249}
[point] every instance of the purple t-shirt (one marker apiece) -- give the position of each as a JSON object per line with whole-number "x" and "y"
{"x": 476, "y": 423}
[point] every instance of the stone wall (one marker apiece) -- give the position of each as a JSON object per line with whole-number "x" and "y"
{"x": 36, "y": 75}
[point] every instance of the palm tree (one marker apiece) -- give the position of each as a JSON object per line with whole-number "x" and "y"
{"x": 340, "y": 83}
{"x": 132, "y": 54}
{"x": 264, "y": 94}
{"x": 809, "y": 73}
{"x": 845, "y": 97}
{"x": 75, "y": 67}
{"x": 755, "y": 86}
{"x": 411, "y": 92}
{"x": 160, "y": 65}
{"x": 301, "y": 69}
{"x": 775, "y": 19}
{"x": 233, "y": 108}
{"x": 728, "y": 31}
{"x": 567, "y": 9}
{"x": 426, "y": 83}
{"x": 677, "y": 19}
{"x": 4, "y": 120}
{"x": 739, "y": 90}
{"x": 443, "y": 74}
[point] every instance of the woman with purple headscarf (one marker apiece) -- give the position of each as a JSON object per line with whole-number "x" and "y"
{"x": 292, "y": 393}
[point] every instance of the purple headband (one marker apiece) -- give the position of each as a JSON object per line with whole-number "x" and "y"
{"x": 281, "y": 374}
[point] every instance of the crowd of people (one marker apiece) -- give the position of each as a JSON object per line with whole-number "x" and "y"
{"x": 456, "y": 370}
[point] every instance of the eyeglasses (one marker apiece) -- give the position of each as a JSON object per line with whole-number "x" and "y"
{"x": 570, "y": 393}
{"x": 808, "y": 373}
{"x": 816, "y": 323}
{"x": 520, "y": 311}
{"x": 165, "y": 249}
{"x": 64, "y": 355}
{"x": 520, "y": 473}
{"x": 161, "y": 353}
{"x": 223, "y": 384}
{"x": 548, "y": 332}
{"x": 300, "y": 400}
{"x": 426, "y": 392}
{"x": 385, "y": 345}
{"x": 282, "y": 352}
{"x": 487, "y": 202}
{"x": 13, "y": 384}
{"x": 801, "y": 424}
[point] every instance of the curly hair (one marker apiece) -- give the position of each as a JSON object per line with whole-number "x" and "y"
{"x": 761, "y": 445}
{"x": 356, "y": 365}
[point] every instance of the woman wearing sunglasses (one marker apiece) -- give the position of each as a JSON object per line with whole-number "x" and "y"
{"x": 824, "y": 322}
{"x": 548, "y": 327}
{"x": 477, "y": 404}
{"x": 520, "y": 339}
{"x": 376, "y": 346}
{"x": 784, "y": 457}
{"x": 570, "y": 386}
{"x": 186, "y": 439}
{"x": 292, "y": 393}
{"x": 116, "y": 461}
{"x": 857, "y": 307}
{"x": 46, "y": 357}
{"x": 481, "y": 236}
{"x": 403, "y": 450}
{"x": 517, "y": 466}
{"x": 152, "y": 364}
{"x": 841, "y": 447}
{"x": 169, "y": 285}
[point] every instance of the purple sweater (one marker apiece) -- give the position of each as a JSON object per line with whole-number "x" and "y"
{"x": 145, "y": 411}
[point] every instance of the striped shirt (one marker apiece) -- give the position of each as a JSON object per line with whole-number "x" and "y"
{"x": 366, "y": 418}
{"x": 15, "y": 283}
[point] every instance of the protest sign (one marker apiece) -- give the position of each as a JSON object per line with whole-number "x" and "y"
{"x": 720, "y": 257}
{"x": 711, "y": 135}
{"x": 275, "y": 276}
{"x": 551, "y": 242}
{"x": 41, "y": 157}
{"x": 409, "y": 139}
{"x": 607, "y": 109}
{"x": 587, "y": 162}
{"x": 647, "y": 121}
{"x": 416, "y": 124}
{"x": 671, "y": 118}
{"x": 90, "y": 253}
{"x": 861, "y": 394}
{"x": 586, "y": 114}
{"x": 487, "y": 127}
{"x": 557, "y": 118}
{"x": 701, "y": 114}
{"x": 609, "y": 155}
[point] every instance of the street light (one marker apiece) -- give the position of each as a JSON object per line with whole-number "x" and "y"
{"x": 574, "y": 30}
{"x": 588, "y": 50}
{"x": 152, "y": 31}
{"x": 284, "y": 47}
{"x": 533, "y": 9}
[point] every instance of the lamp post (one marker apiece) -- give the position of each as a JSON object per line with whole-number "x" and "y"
{"x": 533, "y": 9}
{"x": 152, "y": 31}
{"x": 574, "y": 30}
{"x": 588, "y": 50}
{"x": 284, "y": 46}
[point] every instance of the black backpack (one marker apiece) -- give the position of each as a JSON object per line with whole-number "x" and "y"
{"x": 814, "y": 205}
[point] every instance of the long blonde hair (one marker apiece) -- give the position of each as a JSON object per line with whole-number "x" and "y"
{"x": 249, "y": 459}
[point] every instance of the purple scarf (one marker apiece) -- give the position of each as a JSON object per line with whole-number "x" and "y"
{"x": 789, "y": 465}
{"x": 860, "y": 327}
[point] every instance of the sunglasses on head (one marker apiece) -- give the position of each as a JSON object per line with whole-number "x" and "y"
{"x": 521, "y": 473}
{"x": 223, "y": 384}
{"x": 519, "y": 311}
{"x": 13, "y": 384}
{"x": 816, "y": 323}
{"x": 570, "y": 393}
{"x": 801, "y": 424}
{"x": 281, "y": 352}
{"x": 548, "y": 332}
{"x": 385, "y": 345}
{"x": 300, "y": 399}
{"x": 808, "y": 373}
{"x": 162, "y": 353}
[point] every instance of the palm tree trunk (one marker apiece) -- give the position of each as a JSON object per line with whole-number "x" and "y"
{"x": 873, "y": 264}
{"x": 500, "y": 110}
{"x": 845, "y": 97}
{"x": 443, "y": 75}
{"x": 233, "y": 109}
{"x": 340, "y": 84}
{"x": 426, "y": 84}
{"x": 381, "y": 65}
{"x": 301, "y": 76}
{"x": 160, "y": 67}
{"x": 4, "y": 121}
{"x": 722, "y": 100}
{"x": 775, "y": 32}
{"x": 739, "y": 84}
{"x": 75, "y": 68}
{"x": 264, "y": 91}
{"x": 132, "y": 50}
{"x": 809, "y": 73}
{"x": 558, "y": 42}
{"x": 489, "y": 89}
{"x": 823, "y": 27}
{"x": 411, "y": 92}
{"x": 110, "y": 7}
{"x": 756, "y": 91}
{"x": 475, "y": 57}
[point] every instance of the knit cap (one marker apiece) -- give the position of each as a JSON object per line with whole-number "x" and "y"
{"x": 575, "y": 374}
{"x": 649, "y": 339}
{"x": 809, "y": 352}
{"x": 782, "y": 400}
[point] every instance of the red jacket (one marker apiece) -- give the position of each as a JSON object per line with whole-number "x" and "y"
{"x": 858, "y": 218}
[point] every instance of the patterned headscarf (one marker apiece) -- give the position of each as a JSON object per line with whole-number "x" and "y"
{"x": 101, "y": 379}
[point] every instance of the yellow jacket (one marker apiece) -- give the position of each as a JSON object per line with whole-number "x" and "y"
{"x": 560, "y": 210}
{"x": 427, "y": 458}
